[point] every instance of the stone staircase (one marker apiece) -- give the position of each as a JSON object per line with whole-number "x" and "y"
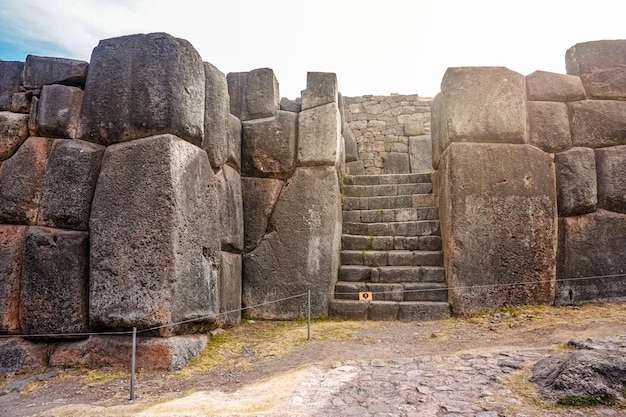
{"x": 391, "y": 247}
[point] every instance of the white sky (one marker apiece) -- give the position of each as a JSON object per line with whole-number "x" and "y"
{"x": 375, "y": 47}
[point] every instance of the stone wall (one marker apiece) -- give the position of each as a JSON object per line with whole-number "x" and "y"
{"x": 531, "y": 182}
{"x": 392, "y": 134}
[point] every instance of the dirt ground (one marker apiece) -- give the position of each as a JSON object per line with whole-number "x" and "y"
{"x": 258, "y": 356}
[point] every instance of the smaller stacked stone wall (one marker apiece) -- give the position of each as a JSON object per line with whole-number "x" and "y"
{"x": 392, "y": 133}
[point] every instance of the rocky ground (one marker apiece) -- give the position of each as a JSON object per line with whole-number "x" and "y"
{"x": 473, "y": 366}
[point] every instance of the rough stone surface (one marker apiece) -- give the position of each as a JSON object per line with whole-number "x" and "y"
{"x": 268, "y": 147}
{"x": 12, "y": 239}
{"x": 498, "y": 226}
{"x": 32, "y": 119}
{"x": 439, "y": 136}
{"x": 576, "y": 183}
{"x": 592, "y": 258}
{"x": 254, "y": 94}
{"x": 171, "y": 353}
{"x": 355, "y": 168}
{"x": 231, "y": 210}
{"x": 290, "y": 105}
{"x": 321, "y": 88}
{"x": 350, "y": 146}
{"x": 259, "y": 199}
{"x": 20, "y": 102}
{"x": 159, "y": 77}
{"x": 234, "y": 143}
{"x": 548, "y": 126}
{"x": 319, "y": 135}
{"x": 230, "y": 290}
{"x": 13, "y": 132}
{"x": 10, "y": 80}
{"x": 601, "y": 66}
{"x": 611, "y": 166}
{"x": 154, "y": 239}
{"x": 484, "y": 104}
{"x": 598, "y": 123}
{"x": 18, "y": 355}
{"x": 216, "y": 116}
{"x": 55, "y": 281}
{"x": 58, "y": 111}
{"x": 397, "y": 163}
{"x": 300, "y": 252}
{"x": 69, "y": 184}
{"x": 42, "y": 70}
{"x": 550, "y": 86}
{"x": 421, "y": 154}
{"x": 414, "y": 128}
{"x": 21, "y": 181}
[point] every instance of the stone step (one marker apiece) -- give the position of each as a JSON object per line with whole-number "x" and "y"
{"x": 387, "y": 189}
{"x": 366, "y": 242}
{"x": 391, "y": 215}
{"x": 411, "y": 228}
{"x": 391, "y": 258}
{"x": 392, "y": 292}
{"x": 388, "y": 202}
{"x": 391, "y": 274}
{"x": 386, "y": 179}
{"x": 390, "y": 310}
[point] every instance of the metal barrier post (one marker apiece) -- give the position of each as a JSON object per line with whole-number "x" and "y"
{"x": 308, "y": 335}
{"x": 132, "y": 365}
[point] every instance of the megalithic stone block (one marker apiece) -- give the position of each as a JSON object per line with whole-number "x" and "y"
{"x": 143, "y": 85}
{"x": 43, "y": 70}
{"x": 420, "y": 154}
{"x": 234, "y": 143}
{"x": 55, "y": 281}
{"x": 216, "y": 116}
{"x": 155, "y": 246}
{"x": 597, "y": 123}
{"x": 601, "y": 65}
{"x": 548, "y": 126}
{"x": 231, "y": 210}
{"x": 12, "y": 240}
{"x": 439, "y": 129}
{"x": 611, "y": 166}
{"x": 21, "y": 181}
{"x": 254, "y": 94}
{"x": 10, "y": 80}
{"x": 13, "y": 132}
{"x": 550, "y": 86}
{"x": 259, "y": 198}
{"x": 351, "y": 147}
{"x": 319, "y": 136}
{"x": 69, "y": 184}
{"x": 576, "y": 181}
{"x": 58, "y": 111}
{"x": 230, "y": 290}
{"x": 321, "y": 88}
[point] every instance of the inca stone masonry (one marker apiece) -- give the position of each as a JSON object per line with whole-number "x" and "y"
{"x": 148, "y": 189}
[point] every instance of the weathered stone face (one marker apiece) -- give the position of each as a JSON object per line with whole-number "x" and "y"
{"x": 234, "y": 143}
{"x": 351, "y": 148}
{"x": 58, "y": 111}
{"x": 143, "y": 85}
{"x": 484, "y": 104}
{"x": 550, "y": 86}
{"x": 420, "y": 154}
{"x": 20, "y": 103}
{"x": 576, "y": 181}
{"x": 591, "y": 247}
{"x": 498, "y": 225}
{"x": 13, "y": 132}
{"x": 319, "y": 134}
{"x": 397, "y": 163}
{"x": 154, "y": 240}
{"x": 21, "y": 181}
{"x": 611, "y": 165}
{"x": 69, "y": 184}
{"x": 12, "y": 239}
{"x": 18, "y": 355}
{"x": 321, "y": 88}
{"x": 231, "y": 210}
{"x": 548, "y": 126}
{"x": 601, "y": 66}
{"x": 254, "y": 94}
{"x": 55, "y": 281}
{"x": 216, "y": 116}
{"x": 598, "y": 123}
{"x": 268, "y": 147}
{"x": 10, "y": 79}
{"x": 230, "y": 290}
{"x": 259, "y": 198}
{"x": 300, "y": 250}
{"x": 42, "y": 70}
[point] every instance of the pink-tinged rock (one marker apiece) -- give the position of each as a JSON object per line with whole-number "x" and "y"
{"x": 58, "y": 111}
{"x": 548, "y": 126}
{"x": 13, "y": 132}
{"x": 21, "y": 181}
{"x": 254, "y": 94}
{"x": 10, "y": 80}
{"x": 43, "y": 70}
{"x": 259, "y": 198}
{"x": 12, "y": 240}
{"x": 601, "y": 65}
{"x": 19, "y": 355}
{"x": 550, "y": 86}
{"x": 576, "y": 181}
{"x": 611, "y": 167}
{"x": 216, "y": 116}
{"x": 143, "y": 85}
{"x": 55, "y": 282}
{"x": 598, "y": 123}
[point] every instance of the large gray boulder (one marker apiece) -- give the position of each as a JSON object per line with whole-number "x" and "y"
{"x": 598, "y": 123}
{"x": 155, "y": 247}
{"x": 230, "y": 290}
{"x": 611, "y": 165}
{"x": 498, "y": 225}
{"x": 592, "y": 258}
{"x": 601, "y": 65}
{"x": 321, "y": 88}
{"x": 550, "y": 86}
{"x": 576, "y": 182}
{"x": 13, "y": 132}
{"x": 351, "y": 147}
{"x": 216, "y": 116}
{"x": 12, "y": 239}
{"x": 55, "y": 281}
{"x": 300, "y": 252}
{"x": 421, "y": 154}
{"x": 58, "y": 111}
{"x": 21, "y": 181}
{"x": 319, "y": 136}
{"x": 10, "y": 80}
{"x": 259, "y": 199}
{"x": 254, "y": 94}
{"x": 143, "y": 85}
{"x": 548, "y": 126}
{"x": 268, "y": 147}
{"x": 69, "y": 184}
{"x": 231, "y": 209}
{"x": 43, "y": 70}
